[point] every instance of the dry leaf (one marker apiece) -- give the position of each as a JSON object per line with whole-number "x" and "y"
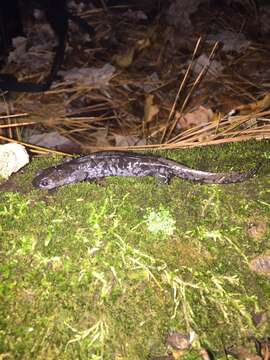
{"x": 143, "y": 44}
{"x": 101, "y": 138}
{"x": 89, "y": 76}
{"x": 231, "y": 41}
{"x": 203, "y": 61}
{"x": 130, "y": 140}
{"x": 150, "y": 109}
{"x": 125, "y": 59}
{"x": 201, "y": 116}
{"x": 259, "y": 105}
{"x": 50, "y": 140}
{"x": 135, "y": 15}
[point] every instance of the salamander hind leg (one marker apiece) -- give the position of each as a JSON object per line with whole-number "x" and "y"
{"x": 163, "y": 179}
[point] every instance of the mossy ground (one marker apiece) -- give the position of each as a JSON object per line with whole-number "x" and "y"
{"x": 106, "y": 271}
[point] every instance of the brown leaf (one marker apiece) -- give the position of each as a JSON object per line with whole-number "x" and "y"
{"x": 201, "y": 116}
{"x": 143, "y": 44}
{"x": 259, "y": 105}
{"x": 101, "y": 137}
{"x": 125, "y": 59}
{"x": 150, "y": 109}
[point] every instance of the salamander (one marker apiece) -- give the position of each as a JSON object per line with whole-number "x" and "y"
{"x": 102, "y": 164}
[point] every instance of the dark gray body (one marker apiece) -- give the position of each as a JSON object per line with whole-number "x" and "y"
{"x": 102, "y": 164}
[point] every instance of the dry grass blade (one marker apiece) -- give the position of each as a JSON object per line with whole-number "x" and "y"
{"x": 87, "y": 115}
{"x": 196, "y": 82}
{"x": 182, "y": 84}
{"x": 34, "y": 148}
{"x": 17, "y": 125}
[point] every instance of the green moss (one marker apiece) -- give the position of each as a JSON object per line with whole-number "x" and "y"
{"x": 104, "y": 272}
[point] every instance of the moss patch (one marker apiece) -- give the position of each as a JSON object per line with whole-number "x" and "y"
{"x": 104, "y": 272}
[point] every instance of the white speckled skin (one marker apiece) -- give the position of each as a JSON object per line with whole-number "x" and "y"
{"x": 103, "y": 164}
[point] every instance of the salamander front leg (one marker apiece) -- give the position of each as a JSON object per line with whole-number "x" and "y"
{"x": 99, "y": 181}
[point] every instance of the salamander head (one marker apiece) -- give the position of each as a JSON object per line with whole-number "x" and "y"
{"x": 56, "y": 176}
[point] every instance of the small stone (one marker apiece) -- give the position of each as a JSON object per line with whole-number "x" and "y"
{"x": 257, "y": 229}
{"x": 13, "y": 156}
{"x": 259, "y": 318}
{"x": 261, "y": 264}
{"x": 241, "y": 353}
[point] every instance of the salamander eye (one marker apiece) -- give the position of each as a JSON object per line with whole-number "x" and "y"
{"x": 44, "y": 183}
